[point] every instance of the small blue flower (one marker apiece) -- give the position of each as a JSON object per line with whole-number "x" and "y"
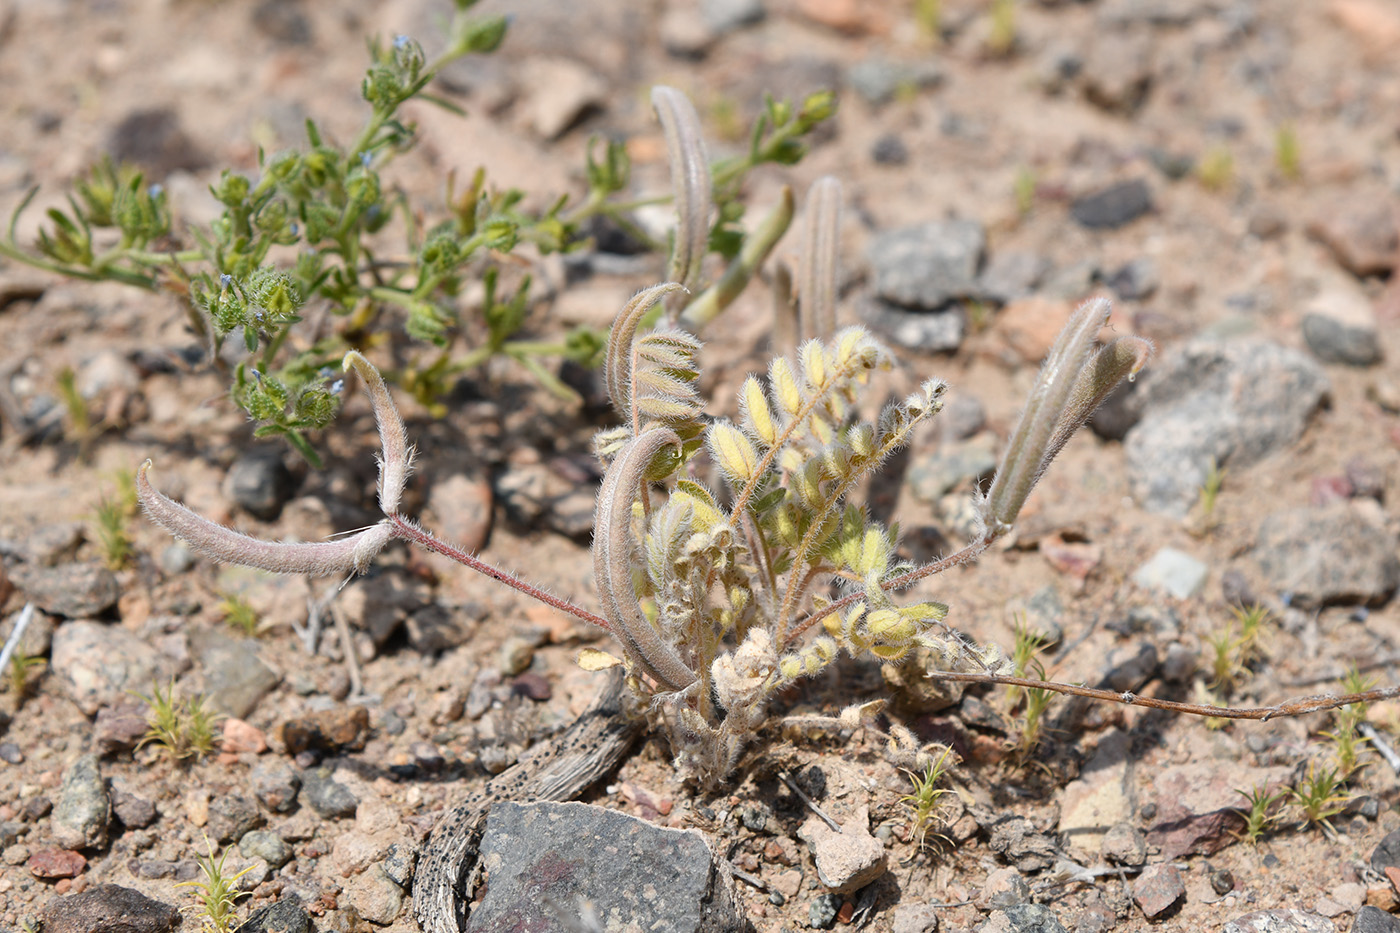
{"x": 325, "y": 372}
{"x": 225, "y": 280}
{"x": 337, "y": 386}
{"x": 295, "y": 230}
{"x": 365, "y": 158}
{"x": 156, "y": 191}
{"x": 258, "y": 315}
{"x": 401, "y": 42}
{"x": 257, "y": 375}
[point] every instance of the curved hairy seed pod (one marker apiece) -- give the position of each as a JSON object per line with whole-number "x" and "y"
{"x": 617, "y": 363}
{"x": 690, "y": 179}
{"x": 351, "y": 554}
{"x": 612, "y": 561}
{"x": 1044, "y": 411}
{"x": 718, "y": 296}
{"x": 820, "y": 247}
{"x": 396, "y": 458}
{"x": 1120, "y": 359}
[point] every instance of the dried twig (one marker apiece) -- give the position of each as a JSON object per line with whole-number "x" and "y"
{"x": 1298, "y": 706}
{"x": 25, "y": 616}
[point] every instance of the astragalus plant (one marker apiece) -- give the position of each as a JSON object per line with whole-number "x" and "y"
{"x": 719, "y": 597}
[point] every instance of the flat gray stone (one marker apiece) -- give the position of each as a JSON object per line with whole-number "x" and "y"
{"x": 544, "y": 858}
{"x": 1280, "y": 921}
{"x": 108, "y": 908}
{"x": 1339, "y": 553}
{"x": 235, "y": 679}
{"x": 99, "y": 665}
{"x": 1173, "y": 572}
{"x": 83, "y": 811}
{"x": 928, "y": 265}
{"x": 1237, "y": 401}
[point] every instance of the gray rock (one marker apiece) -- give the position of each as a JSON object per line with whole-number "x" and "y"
{"x": 286, "y": 916}
{"x": 1340, "y": 327}
{"x": 939, "y": 473}
{"x": 847, "y": 860}
{"x": 235, "y": 679}
{"x": 1114, "y": 206}
{"x": 1215, "y": 401}
{"x": 1004, "y": 887}
{"x": 119, "y": 728}
{"x": 135, "y": 812}
{"x": 557, "y": 92}
{"x": 80, "y": 819}
{"x": 914, "y": 918}
{"x": 878, "y": 79}
{"x": 260, "y": 483}
{"x": 1072, "y": 282}
{"x": 889, "y": 149}
{"x": 928, "y": 265}
{"x": 37, "y": 640}
{"x": 51, "y": 544}
{"x": 544, "y": 857}
{"x": 1361, "y": 233}
{"x": 459, "y": 510}
{"x": 1011, "y": 274}
{"x": 275, "y": 783}
{"x": 821, "y": 913}
{"x": 1173, "y": 572}
{"x": 434, "y": 629}
{"x": 1135, "y": 280}
{"x": 1117, "y": 72}
{"x": 1014, "y": 838}
{"x": 929, "y": 331}
{"x": 71, "y": 590}
{"x": 1337, "y": 553}
{"x": 231, "y": 816}
{"x": 1151, "y": 12}
{"x": 1280, "y": 921}
{"x": 377, "y": 898}
{"x": 1158, "y": 889}
{"x": 108, "y": 908}
{"x": 267, "y": 846}
{"x": 963, "y": 416}
{"x": 98, "y": 664}
{"x": 725, "y": 16}
{"x": 176, "y": 558}
{"x": 1125, "y": 844}
{"x": 154, "y": 140}
{"x": 379, "y": 603}
{"x": 1386, "y": 854}
{"x": 1023, "y": 918}
{"x": 1374, "y": 920}
{"x": 1058, "y": 65}
{"x": 329, "y": 798}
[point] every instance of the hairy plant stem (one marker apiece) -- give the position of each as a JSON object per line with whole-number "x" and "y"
{"x": 411, "y": 531}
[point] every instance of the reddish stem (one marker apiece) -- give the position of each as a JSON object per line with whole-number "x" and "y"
{"x": 407, "y": 530}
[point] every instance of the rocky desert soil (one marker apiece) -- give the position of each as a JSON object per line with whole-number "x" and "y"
{"x": 1227, "y": 171}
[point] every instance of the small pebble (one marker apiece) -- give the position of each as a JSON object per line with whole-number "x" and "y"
{"x": 1221, "y": 881}
{"x": 10, "y": 753}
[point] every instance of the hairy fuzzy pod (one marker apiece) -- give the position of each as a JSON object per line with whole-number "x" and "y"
{"x": 690, "y": 180}
{"x": 820, "y": 258}
{"x": 351, "y": 554}
{"x": 813, "y": 357}
{"x": 612, "y": 561}
{"x": 755, "y": 413}
{"x": 617, "y": 361}
{"x": 733, "y": 452}
{"x": 396, "y": 456}
{"x": 786, "y": 393}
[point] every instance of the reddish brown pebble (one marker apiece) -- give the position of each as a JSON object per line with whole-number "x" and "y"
{"x": 533, "y": 686}
{"x": 345, "y": 727}
{"x": 56, "y": 863}
{"x": 240, "y": 736}
{"x": 847, "y": 911}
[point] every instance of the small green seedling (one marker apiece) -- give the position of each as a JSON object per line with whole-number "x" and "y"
{"x": 1347, "y": 743}
{"x": 183, "y": 727}
{"x": 113, "y": 539}
{"x": 1232, "y": 654}
{"x": 1318, "y": 797}
{"x": 1261, "y": 814}
{"x": 240, "y": 614}
{"x": 1002, "y": 36}
{"x": 216, "y": 893}
{"x": 1288, "y": 156}
{"x": 924, "y": 803}
{"x": 22, "y": 669}
{"x": 1023, "y": 188}
{"x": 1216, "y": 169}
{"x": 1207, "y": 496}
